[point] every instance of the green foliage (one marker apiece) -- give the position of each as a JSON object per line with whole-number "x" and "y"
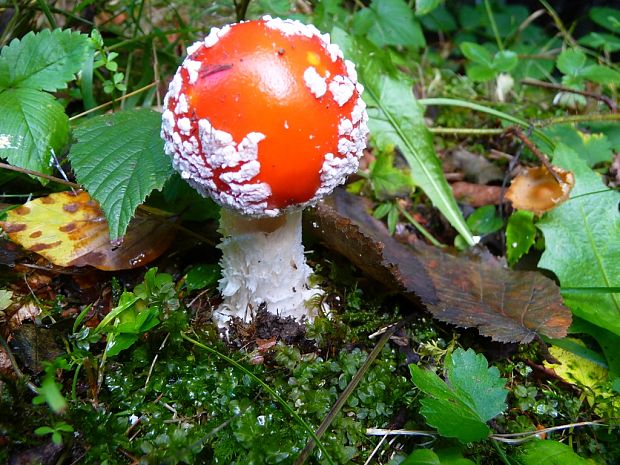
{"x": 389, "y": 22}
{"x": 387, "y": 181}
{"x": 202, "y": 276}
{"x": 47, "y": 60}
{"x": 139, "y": 311}
{"x": 50, "y": 391}
{"x": 34, "y": 125}
{"x": 472, "y": 395}
{"x": 593, "y": 147}
{"x": 577, "y": 236}
{"x": 484, "y": 220}
{"x": 574, "y": 64}
{"x": 520, "y": 235}
{"x": 485, "y": 66}
{"x": 56, "y": 431}
{"x": 120, "y": 159}
{"x": 396, "y": 118}
{"x": 548, "y": 453}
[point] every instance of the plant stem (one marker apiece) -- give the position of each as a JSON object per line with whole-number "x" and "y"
{"x": 487, "y": 6}
{"x": 107, "y": 104}
{"x": 578, "y": 119}
{"x": 467, "y": 131}
{"x": 267, "y": 388}
{"x": 419, "y": 227}
{"x": 39, "y": 175}
{"x": 490, "y": 111}
{"x": 541, "y": 156}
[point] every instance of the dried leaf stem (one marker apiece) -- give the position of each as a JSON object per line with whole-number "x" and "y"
{"x": 541, "y": 156}
{"x": 549, "y": 85}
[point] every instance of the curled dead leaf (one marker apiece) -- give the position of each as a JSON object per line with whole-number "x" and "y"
{"x": 69, "y": 229}
{"x": 536, "y": 190}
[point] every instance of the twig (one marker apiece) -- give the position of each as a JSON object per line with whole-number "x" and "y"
{"x": 519, "y": 438}
{"x": 107, "y": 104}
{"x": 578, "y": 119}
{"x": 39, "y": 175}
{"x": 344, "y": 396}
{"x": 541, "y": 156}
{"x": 148, "y": 376}
{"x": 549, "y": 85}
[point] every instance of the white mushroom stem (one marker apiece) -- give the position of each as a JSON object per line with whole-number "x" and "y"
{"x": 263, "y": 263}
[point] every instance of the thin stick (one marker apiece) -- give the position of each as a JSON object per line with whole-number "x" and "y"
{"x": 39, "y": 175}
{"x": 344, "y": 396}
{"x": 541, "y": 156}
{"x": 549, "y": 85}
{"x": 107, "y": 104}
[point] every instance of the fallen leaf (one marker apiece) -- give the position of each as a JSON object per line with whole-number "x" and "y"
{"x": 536, "y": 190}
{"x": 506, "y": 305}
{"x": 475, "y": 167}
{"x": 69, "y": 229}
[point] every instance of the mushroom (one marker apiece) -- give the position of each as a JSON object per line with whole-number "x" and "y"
{"x": 266, "y": 118}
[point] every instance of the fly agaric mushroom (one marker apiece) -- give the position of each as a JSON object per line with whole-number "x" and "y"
{"x": 265, "y": 117}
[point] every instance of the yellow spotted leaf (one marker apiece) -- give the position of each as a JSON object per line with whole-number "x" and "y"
{"x": 69, "y": 229}
{"x": 593, "y": 378}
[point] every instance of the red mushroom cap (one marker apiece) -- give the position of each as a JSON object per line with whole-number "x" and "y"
{"x": 265, "y": 116}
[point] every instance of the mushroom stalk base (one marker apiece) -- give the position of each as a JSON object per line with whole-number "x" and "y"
{"x": 263, "y": 263}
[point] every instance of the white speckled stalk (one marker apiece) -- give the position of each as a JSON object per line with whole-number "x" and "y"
{"x": 263, "y": 263}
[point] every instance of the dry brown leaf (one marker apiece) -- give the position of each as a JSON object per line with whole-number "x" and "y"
{"x": 536, "y": 190}
{"x": 69, "y": 229}
{"x": 506, "y": 305}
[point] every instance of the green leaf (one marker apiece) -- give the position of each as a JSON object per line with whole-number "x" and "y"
{"x": 421, "y": 457}
{"x": 607, "y": 17}
{"x": 389, "y": 182}
{"x": 520, "y": 235}
{"x": 471, "y": 377}
{"x": 46, "y": 60}
{"x": 477, "y": 54}
{"x": 50, "y": 391}
{"x": 202, "y": 276}
{"x": 601, "y": 75}
{"x": 33, "y": 124}
{"x": 484, "y": 220}
{"x": 505, "y": 60}
{"x": 475, "y": 394}
{"x": 43, "y": 430}
{"x": 424, "y": 7}
{"x": 571, "y": 62}
{"x": 548, "y": 453}
{"x": 120, "y": 160}
{"x": 397, "y": 118}
{"x": 600, "y": 40}
{"x": 581, "y": 245}
{"x": 592, "y": 147}
{"x": 479, "y": 73}
{"x": 391, "y": 22}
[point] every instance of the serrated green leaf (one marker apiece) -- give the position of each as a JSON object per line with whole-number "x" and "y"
{"x": 571, "y": 62}
{"x": 387, "y": 181}
{"x": 33, "y": 124}
{"x": 454, "y": 420}
{"x": 46, "y": 60}
{"x": 548, "y": 453}
{"x": 581, "y": 242}
{"x": 392, "y": 22}
{"x": 520, "y": 235}
{"x": 471, "y": 377}
{"x": 591, "y": 147}
{"x": 475, "y": 394}
{"x": 120, "y": 160}
{"x": 397, "y": 118}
